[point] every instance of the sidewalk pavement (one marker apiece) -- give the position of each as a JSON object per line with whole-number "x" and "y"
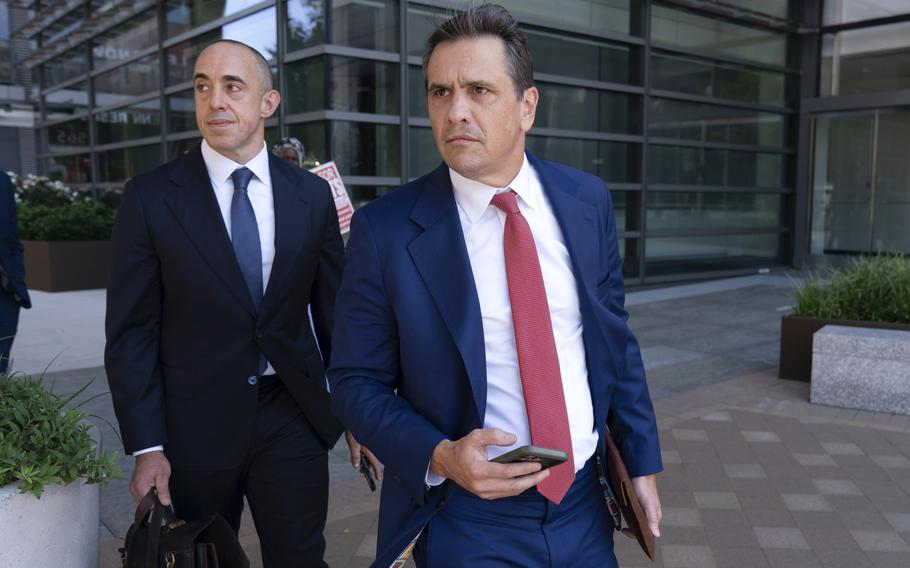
{"x": 755, "y": 476}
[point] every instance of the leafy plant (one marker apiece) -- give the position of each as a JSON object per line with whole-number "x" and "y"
{"x": 40, "y": 190}
{"x": 44, "y": 440}
{"x": 73, "y": 222}
{"x": 869, "y": 289}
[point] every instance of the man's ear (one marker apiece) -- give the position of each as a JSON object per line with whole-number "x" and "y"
{"x": 269, "y": 103}
{"x": 529, "y": 108}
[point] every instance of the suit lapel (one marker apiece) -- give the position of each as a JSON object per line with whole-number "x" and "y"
{"x": 441, "y": 258}
{"x": 196, "y": 208}
{"x": 291, "y": 225}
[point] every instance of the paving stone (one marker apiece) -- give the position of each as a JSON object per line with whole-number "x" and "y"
{"x": 837, "y": 558}
{"x": 818, "y": 520}
{"x": 670, "y": 457}
{"x": 784, "y": 558}
{"x": 805, "y": 502}
{"x": 717, "y": 500}
{"x": 739, "y": 557}
{"x": 742, "y": 537}
{"x": 879, "y": 541}
{"x": 780, "y": 537}
{"x": 814, "y": 459}
{"x": 830, "y": 539}
{"x": 900, "y": 521}
{"x": 690, "y": 435}
{"x": 687, "y": 557}
{"x": 891, "y": 461}
{"x": 745, "y": 471}
{"x": 760, "y": 436}
{"x": 680, "y": 517}
{"x": 836, "y": 487}
{"x": 730, "y": 518}
{"x": 842, "y": 449}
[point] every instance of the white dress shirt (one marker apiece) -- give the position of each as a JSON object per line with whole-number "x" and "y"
{"x": 220, "y": 169}
{"x": 483, "y": 226}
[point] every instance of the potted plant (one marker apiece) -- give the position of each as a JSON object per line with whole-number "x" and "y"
{"x": 65, "y": 234}
{"x": 869, "y": 292}
{"x": 50, "y": 471}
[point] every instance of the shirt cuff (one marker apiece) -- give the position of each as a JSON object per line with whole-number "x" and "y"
{"x": 138, "y": 453}
{"x": 433, "y": 479}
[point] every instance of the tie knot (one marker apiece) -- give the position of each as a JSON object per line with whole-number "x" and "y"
{"x": 507, "y": 202}
{"x": 241, "y": 177}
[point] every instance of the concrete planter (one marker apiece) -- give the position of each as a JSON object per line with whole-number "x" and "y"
{"x": 796, "y": 342}
{"x": 60, "y": 266}
{"x": 60, "y": 530}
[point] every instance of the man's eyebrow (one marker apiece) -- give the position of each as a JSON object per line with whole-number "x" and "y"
{"x": 226, "y": 78}
{"x": 200, "y": 76}
{"x": 434, "y": 86}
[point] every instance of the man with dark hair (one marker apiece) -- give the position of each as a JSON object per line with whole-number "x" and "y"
{"x": 217, "y": 381}
{"x": 481, "y": 310}
{"x": 13, "y": 293}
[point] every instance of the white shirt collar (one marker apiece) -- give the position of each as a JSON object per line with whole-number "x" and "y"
{"x": 474, "y": 197}
{"x": 221, "y": 167}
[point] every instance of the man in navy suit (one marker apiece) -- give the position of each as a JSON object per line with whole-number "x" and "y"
{"x": 217, "y": 378}
{"x": 13, "y": 293}
{"x": 481, "y": 309}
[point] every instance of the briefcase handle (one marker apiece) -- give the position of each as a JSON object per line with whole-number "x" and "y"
{"x": 160, "y": 515}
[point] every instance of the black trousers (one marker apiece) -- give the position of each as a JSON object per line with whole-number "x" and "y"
{"x": 9, "y": 321}
{"x": 285, "y": 479}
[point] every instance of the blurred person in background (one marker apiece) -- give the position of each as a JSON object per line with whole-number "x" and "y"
{"x": 13, "y": 292}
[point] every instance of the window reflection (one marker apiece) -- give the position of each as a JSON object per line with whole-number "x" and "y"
{"x": 611, "y": 161}
{"x": 69, "y": 169}
{"x": 712, "y": 123}
{"x": 136, "y": 78}
{"x": 577, "y": 108}
{"x": 866, "y": 60}
{"x": 715, "y": 210}
{"x": 184, "y": 15}
{"x": 140, "y": 120}
{"x": 363, "y": 149}
{"x": 127, "y": 40}
{"x": 676, "y": 165}
{"x": 724, "y": 81}
{"x": 366, "y": 24}
{"x": 121, "y": 165}
{"x": 71, "y": 135}
{"x": 680, "y": 254}
{"x": 305, "y": 23}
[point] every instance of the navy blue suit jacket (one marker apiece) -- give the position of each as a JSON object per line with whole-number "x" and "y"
{"x": 10, "y": 245}
{"x": 183, "y": 334}
{"x": 408, "y": 368}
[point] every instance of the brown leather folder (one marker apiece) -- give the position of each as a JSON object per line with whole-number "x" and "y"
{"x": 625, "y": 496}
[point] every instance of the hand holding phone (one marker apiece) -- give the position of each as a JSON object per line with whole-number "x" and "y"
{"x": 546, "y": 457}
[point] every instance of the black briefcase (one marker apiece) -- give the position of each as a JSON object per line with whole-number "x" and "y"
{"x": 158, "y": 539}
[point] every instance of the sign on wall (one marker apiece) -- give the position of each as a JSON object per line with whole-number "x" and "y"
{"x": 329, "y": 172}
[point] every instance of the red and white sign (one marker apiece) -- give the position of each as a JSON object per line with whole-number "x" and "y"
{"x": 329, "y": 172}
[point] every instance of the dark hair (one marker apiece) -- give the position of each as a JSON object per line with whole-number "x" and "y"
{"x": 262, "y": 64}
{"x": 488, "y": 20}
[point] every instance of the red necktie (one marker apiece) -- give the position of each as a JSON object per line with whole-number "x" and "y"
{"x": 538, "y": 362}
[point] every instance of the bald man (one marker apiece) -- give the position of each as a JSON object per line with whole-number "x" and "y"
{"x": 217, "y": 377}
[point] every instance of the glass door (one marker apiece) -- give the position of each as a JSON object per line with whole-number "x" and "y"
{"x": 891, "y": 200}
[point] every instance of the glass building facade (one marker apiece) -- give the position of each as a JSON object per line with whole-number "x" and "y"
{"x": 694, "y": 112}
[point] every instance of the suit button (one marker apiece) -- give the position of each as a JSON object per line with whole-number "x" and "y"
{"x": 252, "y": 380}
{"x": 259, "y": 335}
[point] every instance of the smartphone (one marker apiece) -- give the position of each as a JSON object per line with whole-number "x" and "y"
{"x": 544, "y": 456}
{"x": 367, "y": 473}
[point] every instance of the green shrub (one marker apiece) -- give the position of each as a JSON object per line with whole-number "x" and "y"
{"x": 44, "y": 440}
{"x": 73, "y": 222}
{"x": 869, "y": 289}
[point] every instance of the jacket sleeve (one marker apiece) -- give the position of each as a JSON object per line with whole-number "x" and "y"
{"x": 631, "y": 416}
{"x": 132, "y": 328}
{"x": 365, "y": 369}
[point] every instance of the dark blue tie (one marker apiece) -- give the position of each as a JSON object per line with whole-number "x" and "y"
{"x": 245, "y": 238}
{"x": 245, "y": 234}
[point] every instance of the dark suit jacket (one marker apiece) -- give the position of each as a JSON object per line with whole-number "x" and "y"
{"x": 183, "y": 336}
{"x": 10, "y": 245}
{"x": 408, "y": 367}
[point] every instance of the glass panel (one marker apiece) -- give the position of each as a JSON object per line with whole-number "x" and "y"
{"x": 181, "y": 112}
{"x": 421, "y": 23}
{"x": 366, "y": 24}
{"x": 846, "y": 11}
{"x": 866, "y": 60}
{"x": 607, "y": 15}
{"x": 66, "y": 101}
{"x": 359, "y": 85}
{"x": 305, "y": 85}
{"x": 62, "y": 27}
{"x": 363, "y": 194}
{"x": 422, "y": 154}
{"x": 312, "y": 136}
{"x": 256, "y": 30}
{"x": 184, "y": 15}
{"x": 72, "y": 135}
{"x": 892, "y": 183}
{"x": 680, "y": 255}
{"x": 626, "y": 210}
{"x": 842, "y": 184}
{"x": 675, "y": 165}
{"x": 363, "y": 149}
{"x": 305, "y": 23}
{"x": 776, "y": 8}
{"x": 584, "y": 58}
{"x": 127, "y": 81}
{"x": 70, "y": 64}
{"x": 126, "y": 40}
{"x": 417, "y": 93}
{"x": 121, "y": 165}
{"x": 181, "y": 147}
{"x": 688, "y": 30}
{"x": 723, "y": 81}
{"x": 629, "y": 251}
{"x": 712, "y": 210}
{"x": 709, "y": 123}
{"x": 578, "y": 108}
{"x": 611, "y": 161}
{"x": 70, "y": 169}
{"x": 129, "y": 123}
